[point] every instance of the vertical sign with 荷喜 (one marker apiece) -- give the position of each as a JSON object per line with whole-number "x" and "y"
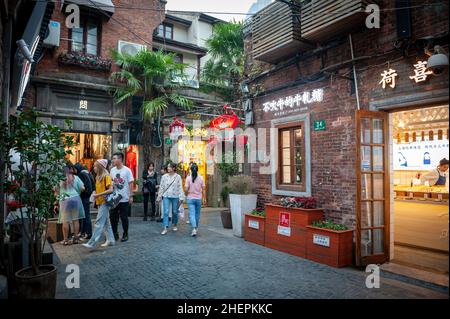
{"x": 284, "y": 224}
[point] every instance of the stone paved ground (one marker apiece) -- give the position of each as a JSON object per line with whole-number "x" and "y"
{"x": 214, "y": 265}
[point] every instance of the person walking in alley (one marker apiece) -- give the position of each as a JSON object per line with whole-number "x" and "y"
{"x": 195, "y": 188}
{"x": 149, "y": 189}
{"x": 103, "y": 187}
{"x": 123, "y": 183}
{"x": 170, "y": 193}
{"x": 70, "y": 205}
{"x": 160, "y": 208}
{"x": 89, "y": 186}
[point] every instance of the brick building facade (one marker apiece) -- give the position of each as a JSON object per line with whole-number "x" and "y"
{"x": 328, "y": 66}
{"x": 71, "y": 80}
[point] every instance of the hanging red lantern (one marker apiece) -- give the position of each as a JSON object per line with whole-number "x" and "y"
{"x": 228, "y": 120}
{"x": 176, "y": 128}
{"x": 224, "y": 124}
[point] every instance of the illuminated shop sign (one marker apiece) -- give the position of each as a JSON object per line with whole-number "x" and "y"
{"x": 289, "y": 102}
{"x": 421, "y": 73}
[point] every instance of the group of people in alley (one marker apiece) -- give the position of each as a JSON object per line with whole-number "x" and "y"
{"x": 109, "y": 188}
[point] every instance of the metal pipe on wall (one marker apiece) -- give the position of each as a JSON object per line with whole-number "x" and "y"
{"x": 354, "y": 71}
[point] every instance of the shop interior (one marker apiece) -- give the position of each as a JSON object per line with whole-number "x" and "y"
{"x": 421, "y": 211}
{"x": 89, "y": 147}
{"x": 192, "y": 151}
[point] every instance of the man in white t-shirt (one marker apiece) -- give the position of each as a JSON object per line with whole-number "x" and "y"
{"x": 123, "y": 183}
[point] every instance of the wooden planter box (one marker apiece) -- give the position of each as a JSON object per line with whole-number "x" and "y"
{"x": 289, "y": 236}
{"x": 330, "y": 247}
{"x": 254, "y": 229}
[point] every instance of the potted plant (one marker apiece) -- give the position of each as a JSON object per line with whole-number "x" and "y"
{"x": 33, "y": 157}
{"x": 242, "y": 200}
{"x": 330, "y": 243}
{"x": 286, "y": 222}
{"x": 255, "y": 226}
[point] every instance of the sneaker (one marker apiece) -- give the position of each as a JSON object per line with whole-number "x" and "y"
{"x": 124, "y": 238}
{"x": 194, "y": 232}
{"x": 159, "y": 220}
{"x": 108, "y": 243}
{"x": 116, "y": 237}
{"x": 164, "y": 231}
{"x": 188, "y": 222}
{"x": 175, "y": 228}
{"x": 88, "y": 246}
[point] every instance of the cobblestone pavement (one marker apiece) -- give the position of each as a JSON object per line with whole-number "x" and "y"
{"x": 214, "y": 265}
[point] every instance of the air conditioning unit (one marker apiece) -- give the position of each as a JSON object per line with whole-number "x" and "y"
{"x": 54, "y": 30}
{"x": 192, "y": 84}
{"x": 130, "y": 47}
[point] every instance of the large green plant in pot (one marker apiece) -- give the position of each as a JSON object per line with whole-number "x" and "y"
{"x": 33, "y": 158}
{"x": 242, "y": 200}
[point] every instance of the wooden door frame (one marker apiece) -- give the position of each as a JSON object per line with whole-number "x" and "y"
{"x": 376, "y": 258}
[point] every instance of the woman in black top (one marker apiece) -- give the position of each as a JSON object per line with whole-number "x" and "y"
{"x": 150, "y": 183}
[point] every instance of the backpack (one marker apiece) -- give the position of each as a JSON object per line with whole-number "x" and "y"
{"x": 89, "y": 184}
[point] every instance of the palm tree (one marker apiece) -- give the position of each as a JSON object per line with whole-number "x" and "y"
{"x": 226, "y": 46}
{"x": 155, "y": 76}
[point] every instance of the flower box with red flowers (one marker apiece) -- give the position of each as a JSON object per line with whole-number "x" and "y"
{"x": 285, "y": 227}
{"x": 87, "y": 61}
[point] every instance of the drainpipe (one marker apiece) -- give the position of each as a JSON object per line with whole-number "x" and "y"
{"x": 354, "y": 72}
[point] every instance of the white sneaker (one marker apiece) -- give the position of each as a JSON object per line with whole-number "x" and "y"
{"x": 194, "y": 232}
{"x": 164, "y": 231}
{"x": 87, "y": 245}
{"x": 188, "y": 222}
{"x": 175, "y": 228}
{"x": 108, "y": 243}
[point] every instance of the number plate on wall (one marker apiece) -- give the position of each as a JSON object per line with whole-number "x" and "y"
{"x": 321, "y": 240}
{"x": 253, "y": 224}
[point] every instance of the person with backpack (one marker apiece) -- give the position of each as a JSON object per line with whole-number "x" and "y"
{"x": 149, "y": 189}
{"x": 103, "y": 187}
{"x": 89, "y": 187}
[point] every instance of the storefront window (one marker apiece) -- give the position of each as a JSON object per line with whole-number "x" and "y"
{"x": 291, "y": 145}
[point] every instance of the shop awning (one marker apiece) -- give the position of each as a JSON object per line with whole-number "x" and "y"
{"x": 33, "y": 35}
{"x": 101, "y": 5}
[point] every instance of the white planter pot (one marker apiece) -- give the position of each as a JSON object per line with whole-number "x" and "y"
{"x": 240, "y": 205}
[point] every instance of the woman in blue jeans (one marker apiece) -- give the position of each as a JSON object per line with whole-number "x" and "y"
{"x": 171, "y": 193}
{"x": 195, "y": 188}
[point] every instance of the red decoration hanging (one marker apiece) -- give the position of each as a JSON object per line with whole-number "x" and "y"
{"x": 228, "y": 120}
{"x": 176, "y": 128}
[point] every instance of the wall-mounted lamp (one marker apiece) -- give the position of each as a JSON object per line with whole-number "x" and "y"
{"x": 438, "y": 61}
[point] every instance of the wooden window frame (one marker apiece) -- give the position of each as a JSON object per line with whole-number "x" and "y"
{"x": 164, "y": 30}
{"x": 84, "y": 20}
{"x": 291, "y": 127}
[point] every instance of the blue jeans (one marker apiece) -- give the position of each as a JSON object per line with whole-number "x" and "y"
{"x": 195, "y": 206}
{"x": 102, "y": 223}
{"x": 166, "y": 203}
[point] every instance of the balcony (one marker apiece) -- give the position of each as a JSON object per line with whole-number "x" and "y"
{"x": 322, "y": 20}
{"x": 280, "y": 31}
{"x": 276, "y": 33}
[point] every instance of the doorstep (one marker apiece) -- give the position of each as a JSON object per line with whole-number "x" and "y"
{"x": 417, "y": 274}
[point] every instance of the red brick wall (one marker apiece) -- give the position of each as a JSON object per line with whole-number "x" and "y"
{"x": 333, "y": 151}
{"x": 141, "y": 22}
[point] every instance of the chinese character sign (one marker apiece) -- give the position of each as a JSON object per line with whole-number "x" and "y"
{"x": 290, "y": 102}
{"x": 420, "y": 72}
{"x": 388, "y": 78}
